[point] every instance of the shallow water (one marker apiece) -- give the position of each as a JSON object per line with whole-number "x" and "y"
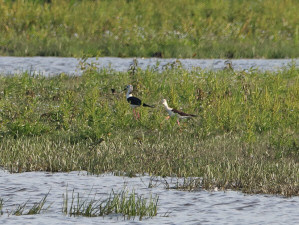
{"x": 57, "y": 65}
{"x": 200, "y": 207}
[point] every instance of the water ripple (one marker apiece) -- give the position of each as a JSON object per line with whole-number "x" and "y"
{"x": 57, "y": 65}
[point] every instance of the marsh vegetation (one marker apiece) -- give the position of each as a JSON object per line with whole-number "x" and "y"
{"x": 178, "y": 29}
{"x": 127, "y": 204}
{"x": 244, "y": 138}
{"x": 123, "y": 203}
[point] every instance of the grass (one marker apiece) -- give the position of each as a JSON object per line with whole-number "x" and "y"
{"x": 127, "y": 204}
{"x": 1, "y": 206}
{"x": 36, "y": 208}
{"x": 244, "y": 138}
{"x": 180, "y": 29}
{"x": 124, "y": 203}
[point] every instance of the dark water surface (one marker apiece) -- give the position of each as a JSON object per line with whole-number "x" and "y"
{"x": 201, "y": 207}
{"x": 57, "y": 65}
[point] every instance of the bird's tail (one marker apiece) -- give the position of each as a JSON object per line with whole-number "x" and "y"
{"x": 192, "y": 115}
{"x": 146, "y": 105}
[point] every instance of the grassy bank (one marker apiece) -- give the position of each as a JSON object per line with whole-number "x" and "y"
{"x": 181, "y": 29}
{"x": 244, "y": 138}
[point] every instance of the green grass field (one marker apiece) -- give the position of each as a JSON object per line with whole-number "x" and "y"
{"x": 131, "y": 28}
{"x": 244, "y": 138}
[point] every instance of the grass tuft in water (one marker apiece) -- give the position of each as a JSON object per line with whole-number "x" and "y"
{"x": 1, "y": 206}
{"x": 35, "y": 209}
{"x": 127, "y": 204}
{"x": 19, "y": 210}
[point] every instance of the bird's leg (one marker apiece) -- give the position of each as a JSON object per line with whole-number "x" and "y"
{"x": 178, "y": 122}
{"x": 134, "y": 114}
{"x": 138, "y": 115}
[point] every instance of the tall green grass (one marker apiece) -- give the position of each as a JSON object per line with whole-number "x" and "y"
{"x": 181, "y": 29}
{"x": 124, "y": 203}
{"x": 244, "y": 138}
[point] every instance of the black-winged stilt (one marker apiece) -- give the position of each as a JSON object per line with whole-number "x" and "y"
{"x": 175, "y": 112}
{"x": 134, "y": 101}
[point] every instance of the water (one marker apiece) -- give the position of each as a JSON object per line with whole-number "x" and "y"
{"x": 57, "y": 65}
{"x": 201, "y": 207}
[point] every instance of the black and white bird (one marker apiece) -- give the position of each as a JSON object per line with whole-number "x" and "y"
{"x": 134, "y": 101}
{"x": 174, "y": 112}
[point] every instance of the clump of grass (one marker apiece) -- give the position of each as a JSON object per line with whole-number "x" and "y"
{"x": 35, "y": 209}
{"x": 19, "y": 210}
{"x": 244, "y": 138}
{"x": 127, "y": 204}
{"x": 1, "y": 206}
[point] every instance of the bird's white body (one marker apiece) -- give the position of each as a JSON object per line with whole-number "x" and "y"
{"x": 174, "y": 112}
{"x": 129, "y": 95}
{"x": 168, "y": 109}
{"x": 129, "y": 91}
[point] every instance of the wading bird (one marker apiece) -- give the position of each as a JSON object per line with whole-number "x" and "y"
{"x": 175, "y": 112}
{"x": 134, "y": 101}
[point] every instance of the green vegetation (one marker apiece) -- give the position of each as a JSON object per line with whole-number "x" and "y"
{"x": 244, "y": 138}
{"x": 181, "y": 29}
{"x": 129, "y": 205}
{"x": 35, "y": 209}
{"x": 1, "y": 206}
